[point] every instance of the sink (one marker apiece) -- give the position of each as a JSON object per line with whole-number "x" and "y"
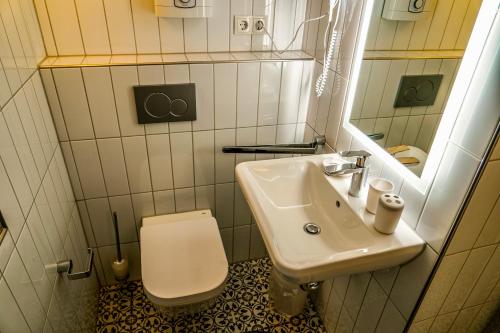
{"x": 286, "y": 194}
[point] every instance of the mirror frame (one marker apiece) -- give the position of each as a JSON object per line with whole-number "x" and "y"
{"x": 484, "y": 21}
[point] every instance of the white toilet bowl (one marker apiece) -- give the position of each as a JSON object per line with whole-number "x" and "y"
{"x": 184, "y": 266}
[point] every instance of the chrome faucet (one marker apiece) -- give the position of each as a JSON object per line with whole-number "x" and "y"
{"x": 359, "y": 170}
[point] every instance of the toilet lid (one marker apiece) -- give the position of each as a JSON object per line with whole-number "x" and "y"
{"x": 183, "y": 261}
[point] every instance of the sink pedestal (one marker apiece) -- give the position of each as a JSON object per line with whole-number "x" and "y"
{"x": 288, "y": 297}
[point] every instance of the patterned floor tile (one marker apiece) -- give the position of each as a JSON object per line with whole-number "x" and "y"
{"x": 243, "y": 306}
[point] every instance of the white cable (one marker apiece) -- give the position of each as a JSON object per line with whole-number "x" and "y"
{"x": 294, "y": 37}
{"x": 328, "y": 55}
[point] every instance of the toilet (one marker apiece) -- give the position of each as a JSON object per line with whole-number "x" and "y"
{"x": 184, "y": 266}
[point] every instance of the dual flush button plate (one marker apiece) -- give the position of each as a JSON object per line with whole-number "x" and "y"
{"x": 165, "y": 103}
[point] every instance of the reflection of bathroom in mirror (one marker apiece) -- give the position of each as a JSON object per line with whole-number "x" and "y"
{"x": 408, "y": 69}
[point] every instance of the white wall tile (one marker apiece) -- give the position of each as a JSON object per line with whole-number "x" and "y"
{"x": 246, "y": 136}
{"x": 171, "y": 40}
{"x": 372, "y": 308}
{"x": 113, "y": 166}
{"x": 269, "y": 93}
{"x": 71, "y": 92}
{"x": 410, "y": 281}
{"x": 120, "y": 26}
{"x": 35, "y": 268}
{"x": 51, "y": 93}
{"x": 204, "y": 160}
{"x": 219, "y": 27}
{"x": 72, "y": 170}
{"x": 136, "y": 160}
{"x": 491, "y": 230}
{"x": 227, "y": 241}
{"x": 30, "y": 130}
{"x": 225, "y": 77}
{"x": 441, "y": 206}
{"x": 239, "y": 8}
{"x": 224, "y": 163}
{"x": 122, "y": 205}
{"x": 160, "y": 161}
{"x": 164, "y": 202}
{"x": 65, "y": 27}
{"x": 40, "y": 239}
{"x": 257, "y": 246}
{"x": 441, "y": 285}
{"x": 19, "y": 283}
{"x": 241, "y": 243}
{"x": 205, "y": 197}
{"x": 8, "y": 156}
{"x": 124, "y": 78}
{"x": 356, "y": 290}
{"x": 99, "y": 91}
{"x": 184, "y": 200}
{"x": 290, "y": 92}
{"x": 92, "y": 20}
{"x": 145, "y": 26}
{"x": 202, "y": 76}
{"x": 224, "y": 200}
{"x": 143, "y": 204}
{"x": 478, "y": 210}
{"x": 182, "y": 159}
{"x": 391, "y": 320}
{"x": 21, "y": 144}
{"x": 486, "y": 282}
{"x": 242, "y": 213}
{"x": 11, "y": 317}
{"x": 101, "y": 220}
{"x": 248, "y": 92}
{"x": 89, "y": 168}
{"x": 195, "y": 35}
{"x": 469, "y": 274}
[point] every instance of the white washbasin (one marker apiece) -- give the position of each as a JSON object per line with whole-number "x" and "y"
{"x": 285, "y": 194}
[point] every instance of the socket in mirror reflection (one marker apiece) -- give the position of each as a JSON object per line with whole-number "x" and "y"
{"x": 404, "y": 83}
{"x": 3, "y": 227}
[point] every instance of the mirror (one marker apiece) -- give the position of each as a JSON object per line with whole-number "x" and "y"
{"x": 408, "y": 68}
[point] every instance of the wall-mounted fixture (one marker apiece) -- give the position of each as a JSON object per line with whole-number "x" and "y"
{"x": 66, "y": 266}
{"x": 407, "y": 10}
{"x": 165, "y": 103}
{"x": 315, "y": 147}
{"x": 184, "y": 8}
{"x": 417, "y": 90}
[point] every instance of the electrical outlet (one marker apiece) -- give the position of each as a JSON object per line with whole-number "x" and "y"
{"x": 243, "y": 25}
{"x": 259, "y": 25}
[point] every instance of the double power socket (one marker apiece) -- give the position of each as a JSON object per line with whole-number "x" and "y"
{"x": 250, "y": 25}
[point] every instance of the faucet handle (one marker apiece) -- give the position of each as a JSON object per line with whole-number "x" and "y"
{"x": 361, "y": 156}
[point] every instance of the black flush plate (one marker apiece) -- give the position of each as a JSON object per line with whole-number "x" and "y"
{"x": 165, "y": 103}
{"x": 417, "y": 90}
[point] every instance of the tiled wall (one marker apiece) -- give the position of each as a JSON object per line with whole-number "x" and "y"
{"x": 383, "y": 301}
{"x": 374, "y": 110}
{"x": 130, "y": 27}
{"x": 138, "y": 170}
{"x": 465, "y": 292}
{"x": 36, "y": 198}
{"x": 448, "y": 28}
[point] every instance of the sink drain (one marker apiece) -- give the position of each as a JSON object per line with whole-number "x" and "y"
{"x": 312, "y": 229}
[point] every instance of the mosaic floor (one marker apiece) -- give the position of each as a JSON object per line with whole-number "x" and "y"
{"x": 244, "y": 306}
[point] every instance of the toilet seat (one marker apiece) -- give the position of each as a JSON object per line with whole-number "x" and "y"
{"x": 182, "y": 258}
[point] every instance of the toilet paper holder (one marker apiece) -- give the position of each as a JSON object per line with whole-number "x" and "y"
{"x": 66, "y": 266}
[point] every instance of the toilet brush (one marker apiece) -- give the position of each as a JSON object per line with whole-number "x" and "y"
{"x": 120, "y": 265}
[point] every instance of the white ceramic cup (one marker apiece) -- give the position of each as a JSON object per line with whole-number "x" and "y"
{"x": 377, "y": 186}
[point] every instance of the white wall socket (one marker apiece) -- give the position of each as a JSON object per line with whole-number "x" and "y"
{"x": 259, "y": 25}
{"x": 247, "y": 25}
{"x": 243, "y": 25}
